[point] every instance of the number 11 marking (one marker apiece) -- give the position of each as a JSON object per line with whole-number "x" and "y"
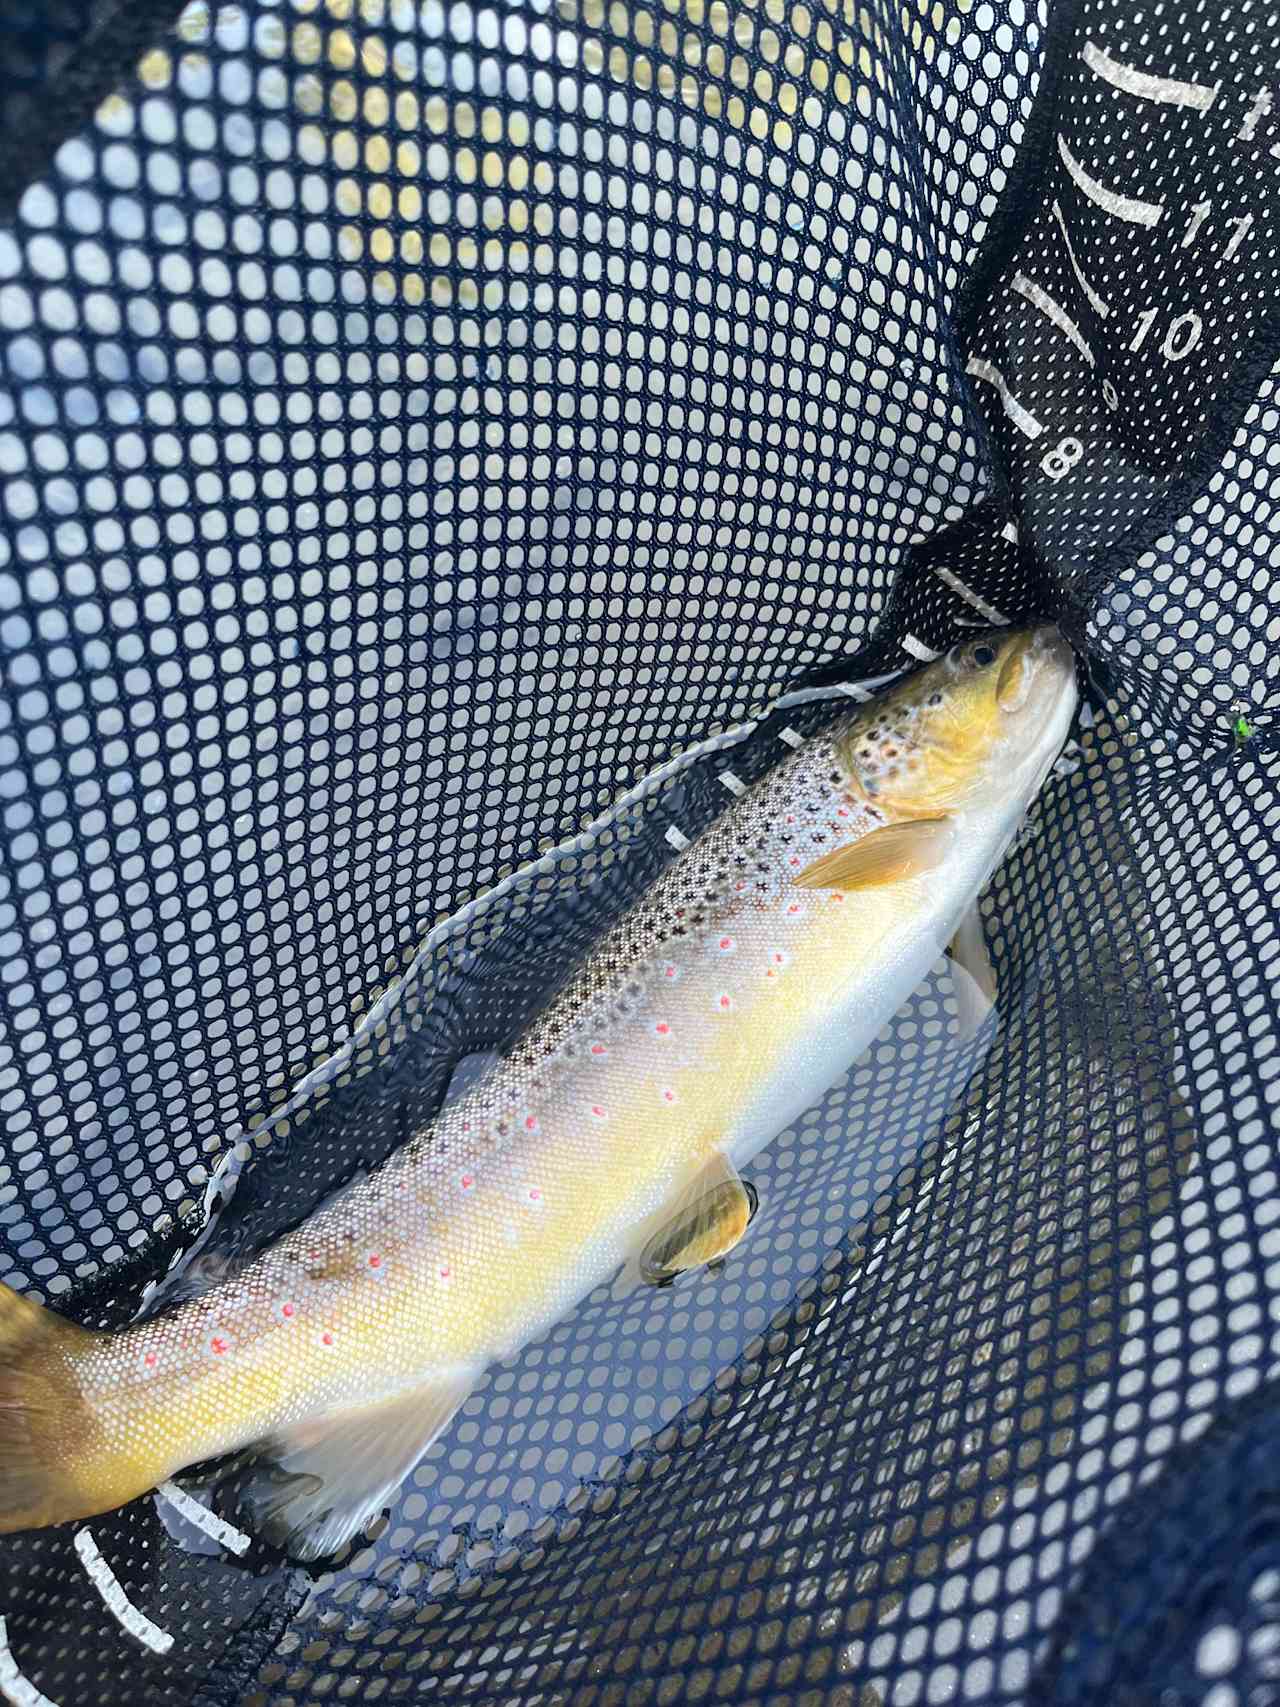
{"x": 1200, "y": 211}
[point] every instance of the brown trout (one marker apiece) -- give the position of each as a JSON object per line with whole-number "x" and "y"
{"x": 720, "y": 1007}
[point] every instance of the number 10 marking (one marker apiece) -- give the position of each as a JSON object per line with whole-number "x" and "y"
{"x": 1179, "y": 341}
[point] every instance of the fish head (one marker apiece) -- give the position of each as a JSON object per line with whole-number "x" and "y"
{"x": 969, "y": 728}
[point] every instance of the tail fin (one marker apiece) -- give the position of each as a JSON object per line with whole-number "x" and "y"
{"x": 41, "y": 1414}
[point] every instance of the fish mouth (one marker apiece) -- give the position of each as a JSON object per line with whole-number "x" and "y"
{"x": 1036, "y": 666}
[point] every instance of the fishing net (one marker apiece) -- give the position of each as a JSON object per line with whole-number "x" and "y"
{"x": 436, "y": 445}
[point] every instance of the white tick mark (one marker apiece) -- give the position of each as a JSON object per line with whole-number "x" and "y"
{"x": 221, "y": 1531}
{"x": 108, "y": 1585}
{"x": 13, "y": 1685}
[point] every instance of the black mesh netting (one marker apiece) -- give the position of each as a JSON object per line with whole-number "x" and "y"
{"x": 418, "y": 425}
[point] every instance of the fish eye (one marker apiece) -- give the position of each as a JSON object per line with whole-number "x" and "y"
{"x": 983, "y": 656}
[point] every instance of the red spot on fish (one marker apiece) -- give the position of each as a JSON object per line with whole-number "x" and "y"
{"x": 597, "y": 1111}
{"x": 444, "y": 1272}
{"x": 662, "y": 1028}
{"x": 842, "y": 811}
{"x": 467, "y": 1181}
{"x": 287, "y": 1310}
{"x": 375, "y": 1261}
{"x": 668, "y": 1096}
{"x": 534, "y": 1194}
{"x": 725, "y": 1002}
{"x": 530, "y": 1124}
{"x": 466, "y": 1126}
{"x": 769, "y": 973}
{"x": 794, "y": 907}
{"x": 150, "y": 1360}
{"x": 326, "y": 1338}
{"x": 794, "y": 860}
{"x": 670, "y": 970}
{"x": 217, "y": 1345}
{"x": 598, "y": 1049}
{"x": 726, "y": 943}
{"x": 779, "y": 959}
{"x": 836, "y": 896}
{"x": 790, "y": 818}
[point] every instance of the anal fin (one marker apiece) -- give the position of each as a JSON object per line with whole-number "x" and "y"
{"x": 317, "y": 1484}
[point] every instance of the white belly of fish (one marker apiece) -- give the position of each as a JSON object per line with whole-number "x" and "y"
{"x": 898, "y": 935}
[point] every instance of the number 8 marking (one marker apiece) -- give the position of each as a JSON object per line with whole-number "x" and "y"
{"x": 1062, "y": 458}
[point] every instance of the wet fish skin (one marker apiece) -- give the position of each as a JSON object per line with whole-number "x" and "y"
{"x": 715, "y": 1012}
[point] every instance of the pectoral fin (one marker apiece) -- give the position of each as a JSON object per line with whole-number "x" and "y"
{"x": 317, "y": 1484}
{"x": 973, "y": 976}
{"x": 886, "y": 855}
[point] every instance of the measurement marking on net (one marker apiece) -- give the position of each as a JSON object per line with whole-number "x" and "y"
{"x": 1022, "y": 418}
{"x": 950, "y": 579}
{"x": 13, "y": 1685}
{"x": 226, "y": 1534}
{"x": 1100, "y": 308}
{"x": 678, "y": 840}
{"x": 1110, "y": 201}
{"x": 791, "y": 737}
{"x": 116, "y": 1600}
{"x": 855, "y": 691}
{"x": 918, "y": 649}
{"x": 1053, "y": 311}
{"x": 733, "y": 783}
{"x": 1171, "y": 91}
{"x": 1010, "y": 532}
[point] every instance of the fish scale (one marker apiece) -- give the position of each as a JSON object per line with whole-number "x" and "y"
{"x": 710, "y": 1016}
